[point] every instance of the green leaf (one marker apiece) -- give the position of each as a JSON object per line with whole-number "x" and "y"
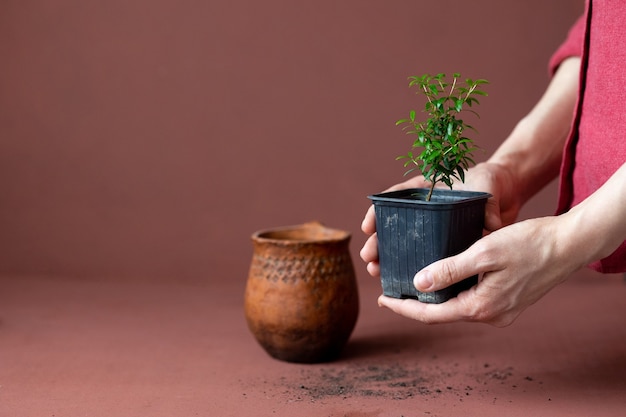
{"x": 458, "y": 105}
{"x": 461, "y": 173}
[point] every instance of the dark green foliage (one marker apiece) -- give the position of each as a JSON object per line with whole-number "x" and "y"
{"x": 446, "y": 153}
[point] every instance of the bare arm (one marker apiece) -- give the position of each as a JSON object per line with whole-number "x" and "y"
{"x": 533, "y": 151}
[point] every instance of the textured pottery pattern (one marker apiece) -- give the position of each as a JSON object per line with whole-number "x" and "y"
{"x": 299, "y": 267}
{"x": 301, "y": 299}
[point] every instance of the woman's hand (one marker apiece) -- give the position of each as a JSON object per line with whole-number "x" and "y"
{"x": 502, "y": 208}
{"x": 517, "y": 265}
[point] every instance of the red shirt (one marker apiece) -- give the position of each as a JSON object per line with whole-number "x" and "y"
{"x": 596, "y": 147}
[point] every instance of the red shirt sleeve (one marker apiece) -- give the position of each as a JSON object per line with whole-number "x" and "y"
{"x": 573, "y": 45}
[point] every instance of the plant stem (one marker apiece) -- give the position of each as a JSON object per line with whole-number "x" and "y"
{"x": 452, "y": 88}
{"x": 430, "y": 192}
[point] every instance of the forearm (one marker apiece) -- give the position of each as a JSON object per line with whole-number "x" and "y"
{"x": 595, "y": 228}
{"x": 532, "y": 153}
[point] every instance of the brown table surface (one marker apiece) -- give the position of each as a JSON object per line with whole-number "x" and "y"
{"x": 72, "y": 347}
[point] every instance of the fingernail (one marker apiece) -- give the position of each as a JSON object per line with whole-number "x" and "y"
{"x": 380, "y": 303}
{"x": 423, "y": 280}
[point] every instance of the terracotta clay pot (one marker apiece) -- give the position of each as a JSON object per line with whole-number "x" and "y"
{"x": 301, "y": 299}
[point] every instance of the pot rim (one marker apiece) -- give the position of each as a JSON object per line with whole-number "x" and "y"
{"x": 310, "y": 232}
{"x": 442, "y": 197}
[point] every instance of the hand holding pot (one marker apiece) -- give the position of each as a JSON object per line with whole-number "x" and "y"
{"x": 514, "y": 275}
{"x": 522, "y": 262}
{"x": 502, "y": 208}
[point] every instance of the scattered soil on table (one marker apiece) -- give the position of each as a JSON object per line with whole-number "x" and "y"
{"x": 395, "y": 381}
{"x": 370, "y": 381}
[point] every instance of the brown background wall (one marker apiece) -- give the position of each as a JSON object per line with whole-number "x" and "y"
{"x": 148, "y": 139}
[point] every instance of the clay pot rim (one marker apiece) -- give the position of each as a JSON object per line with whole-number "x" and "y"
{"x": 311, "y": 232}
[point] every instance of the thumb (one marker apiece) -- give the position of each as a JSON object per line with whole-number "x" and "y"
{"x": 445, "y": 272}
{"x": 493, "y": 219}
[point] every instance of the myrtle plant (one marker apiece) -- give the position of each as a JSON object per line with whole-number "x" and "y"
{"x": 446, "y": 151}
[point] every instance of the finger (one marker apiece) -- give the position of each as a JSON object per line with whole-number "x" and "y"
{"x": 368, "y": 226}
{"x": 493, "y": 221}
{"x": 448, "y": 271}
{"x": 369, "y": 251}
{"x": 447, "y": 312}
{"x": 373, "y": 268}
{"x": 414, "y": 182}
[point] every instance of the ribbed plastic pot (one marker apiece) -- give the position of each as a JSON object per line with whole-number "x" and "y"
{"x": 413, "y": 233}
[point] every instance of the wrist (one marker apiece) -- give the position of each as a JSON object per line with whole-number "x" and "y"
{"x": 515, "y": 182}
{"x": 573, "y": 245}
{"x": 596, "y": 225}
{"x": 531, "y": 160}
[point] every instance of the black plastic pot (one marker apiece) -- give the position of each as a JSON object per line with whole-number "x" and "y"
{"x": 413, "y": 233}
